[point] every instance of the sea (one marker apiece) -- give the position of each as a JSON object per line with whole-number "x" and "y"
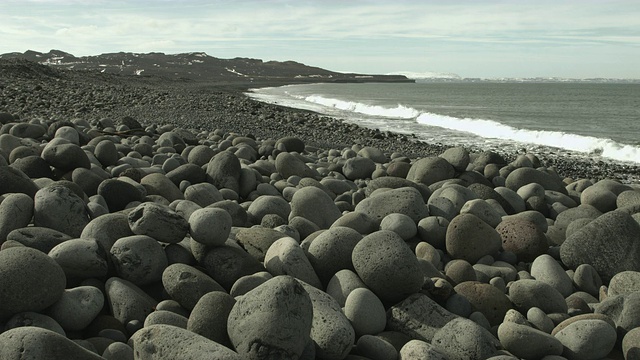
{"x": 590, "y": 121}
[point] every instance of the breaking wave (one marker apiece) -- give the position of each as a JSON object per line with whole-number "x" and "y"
{"x": 399, "y": 111}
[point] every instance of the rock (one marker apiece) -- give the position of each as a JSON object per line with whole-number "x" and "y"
{"x": 30, "y": 342}
{"x": 586, "y": 278}
{"x": 463, "y": 339}
{"x": 30, "y": 318}
{"x": 288, "y": 165}
{"x": 314, "y": 205}
{"x": 33, "y": 166}
{"x": 268, "y": 204}
{"x": 275, "y": 318}
{"x": 256, "y": 241}
{"x": 16, "y": 211}
{"x": 631, "y": 345}
{"x": 418, "y": 316}
{"x": 209, "y": 316}
{"x": 375, "y": 348}
{"x": 139, "y": 259}
{"x": 358, "y": 168}
{"x": 170, "y": 342}
{"x": 610, "y": 243}
{"x": 39, "y": 238}
{"x": 81, "y": 258}
{"x": 30, "y": 281}
{"x": 118, "y": 194}
{"x": 128, "y": 302}
{"x": 286, "y": 257}
{"x": 342, "y": 284}
{"x": 166, "y": 317}
{"x": 404, "y": 200}
{"x": 210, "y": 226}
{"x": 628, "y": 198}
{"x": 483, "y": 211}
{"x": 365, "y": 311}
{"x": 587, "y": 339}
{"x": 599, "y": 197}
{"x": 523, "y": 238}
{"x": 159, "y": 222}
{"x": 360, "y": 222}
{"x": 525, "y": 294}
{"x": 65, "y": 157}
{"x": 226, "y": 264}
{"x": 433, "y": 230}
{"x": 118, "y": 351}
{"x": 387, "y": 266}
{"x": 458, "y": 157}
{"x": 540, "y": 320}
{"x": 525, "y": 175}
{"x": 331, "y": 251}
{"x": 526, "y": 342}
{"x": 485, "y": 298}
{"x": 470, "y": 238}
{"x": 77, "y": 307}
{"x": 401, "y": 224}
{"x": 203, "y": 194}
{"x": 291, "y": 144}
{"x": 546, "y": 269}
{"x": 624, "y": 282}
{"x": 159, "y": 184}
{"x": 420, "y": 350}
{"x": 331, "y": 331}
{"x": 106, "y": 229}
{"x": 624, "y": 310}
{"x": 430, "y": 170}
{"x": 187, "y": 285}
{"x": 106, "y": 153}
{"x": 58, "y": 208}
{"x": 390, "y": 182}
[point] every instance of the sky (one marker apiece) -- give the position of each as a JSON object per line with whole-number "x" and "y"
{"x": 486, "y": 39}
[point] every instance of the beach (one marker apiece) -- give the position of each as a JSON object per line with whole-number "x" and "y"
{"x": 149, "y": 218}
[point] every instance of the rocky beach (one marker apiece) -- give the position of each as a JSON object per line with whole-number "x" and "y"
{"x": 143, "y": 217}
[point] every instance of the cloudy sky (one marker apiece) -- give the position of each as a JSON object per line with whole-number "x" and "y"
{"x": 579, "y": 39}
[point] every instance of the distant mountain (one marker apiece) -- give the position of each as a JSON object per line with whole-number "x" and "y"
{"x": 427, "y": 75}
{"x": 196, "y": 66}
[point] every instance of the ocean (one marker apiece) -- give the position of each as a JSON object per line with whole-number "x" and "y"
{"x": 599, "y": 121}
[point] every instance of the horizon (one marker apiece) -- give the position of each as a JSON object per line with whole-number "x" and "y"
{"x": 489, "y": 40}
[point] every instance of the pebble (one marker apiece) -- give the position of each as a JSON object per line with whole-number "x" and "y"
{"x": 359, "y": 221}
{"x": 118, "y": 351}
{"x": 159, "y": 222}
{"x": 127, "y": 302}
{"x": 526, "y": 293}
{"x": 59, "y": 208}
{"x": 624, "y": 282}
{"x": 404, "y": 200}
{"x": 210, "y": 226}
{"x": 418, "y": 317}
{"x": 30, "y": 318}
{"x": 139, "y": 259}
{"x": 587, "y": 339}
{"x": 226, "y": 264}
{"x": 342, "y": 284}
{"x": 165, "y": 317}
{"x": 118, "y": 194}
{"x": 526, "y": 342}
{"x": 463, "y": 339}
{"x": 401, "y": 224}
{"x": 286, "y": 257}
{"x": 483, "y": 211}
{"x": 65, "y": 157}
{"x": 485, "y": 298}
{"x": 16, "y": 211}
{"x": 255, "y": 324}
{"x": 420, "y": 350}
{"x": 288, "y": 165}
{"x": 30, "y": 281}
{"x": 387, "y": 266}
{"x": 187, "y": 285}
{"x": 209, "y": 316}
{"x": 77, "y": 307}
{"x": 523, "y": 238}
{"x": 203, "y": 194}
{"x": 331, "y": 251}
{"x": 433, "y": 230}
{"x": 469, "y": 238}
{"x": 257, "y": 240}
{"x": 159, "y": 184}
{"x": 525, "y": 175}
{"x": 586, "y": 279}
{"x": 546, "y": 269}
{"x": 365, "y": 311}
{"x": 624, "y": 310}
{"x": 631, "y": 345}
{"x": 39, "y": 238}
{"x": 32, "y": 342}
{"x": 81, "y": 258}
{"x": 375, "y": 348}
{"x": 430, "y": 170}
{"x": 358, "y": 168}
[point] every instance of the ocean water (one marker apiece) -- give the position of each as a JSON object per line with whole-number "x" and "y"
{"x": 599, "y": 121}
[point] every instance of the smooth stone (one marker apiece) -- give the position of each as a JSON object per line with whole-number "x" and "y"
{"x": 525, "y": 294}
{"x": 390, "y": 182}
{"x": 586, "y": 279}
{"x": 610, "y": 243}
{"x": 360, "y": 222}
{"x": 209, "y": 316}
{"x": 210, "y": 226}
{"x": 87, "y": 180}
{"x": 624, "y": 310}
{"x": 624, "y": 282}
{"x": 159, "y": 222}
{"x": 139, "y": 259}
{"x": 500, "y": 269}
{"x": 107, "y": 229}
{"x": 628, "y": 198}
{"x": 375, "y": 348}
{"x": 288, "y": 165}
{"x": 523, "y": 238}
{"x": 342, "y": 284}
{"x": 404, "y": 200}
{"x": 463, "y": 339}
{"x": 77, "y": 307}
{"x": 128, "y": 302}
{"x": 106, "y": 153}
{"x": 458, "y": 157}
{"x": 587, "y": 339}
{"x": 16, "y": 211}
{"x": 599, "y": 197}
{"x": 226, "y": 264}
{"x": 314, "y": 205}
{"x": 358, "y": 168}
{"x": 530, "y": 190}
{"x": 524, "y": 176}
{"x": 331, "y": 251}
{"x": 470, "y": 238}
{"x": 268, "y": 204}
{"x": 286, "y": 257}
{"x": 238, "y": 213}
{"x": 65, "y": 157}
{"x": 401, "y": 224}
{"x": 512, "y": 198}
{"x": 203, "y": 194}
{"x": 546, "y": 269}
{"x": 365, "y": 311}
{"x": 159, "y": 184}
{"x": 39, "y": 238}
{"x": 418, "y": 316}
{"x": 170, "y": 342}
{"x": 30, "y": 318}
{"x": 118, "y": 193}
{"x": 420, "y": 350}
{"x": 540, "y": 320}
{"x": 331, "y": 331}
{"x": 32, "y": 342}
{"x": 248, "y": 283}
{"x": 187, "y": 285}
{"x": 30, "y": 281}
{"x": 59, "y": 208}
{"x": 291, "y": 143}
{"x": 387, "y": 266}
{"x": 526, "y": 342}
{"x": 118, "y": 351}
{"x": 631, "y": 345}
{"x": 256, "y": 241}
{"x": 275, "y": 318}
{"x": 483, "y": 211}
{"x": 485, "y": 298}
{"x": 164, "y": 317}
{"x": 81, "y": 258}
{"x": 590, "y": 316}
{"x": 433, "y": 230}
{"x": 32, "y": 166}
{"x": 430, "y": 170}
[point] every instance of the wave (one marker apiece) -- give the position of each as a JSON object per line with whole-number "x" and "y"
{"x": 491, "y": 129}
{"x": 399, "y": 111}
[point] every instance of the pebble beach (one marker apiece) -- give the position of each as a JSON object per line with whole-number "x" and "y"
{"x": 142, "y": 218}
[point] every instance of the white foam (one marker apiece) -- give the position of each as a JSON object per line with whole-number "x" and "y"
{"x": 491, "y": 129}
{"x": 399, "y": 111}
